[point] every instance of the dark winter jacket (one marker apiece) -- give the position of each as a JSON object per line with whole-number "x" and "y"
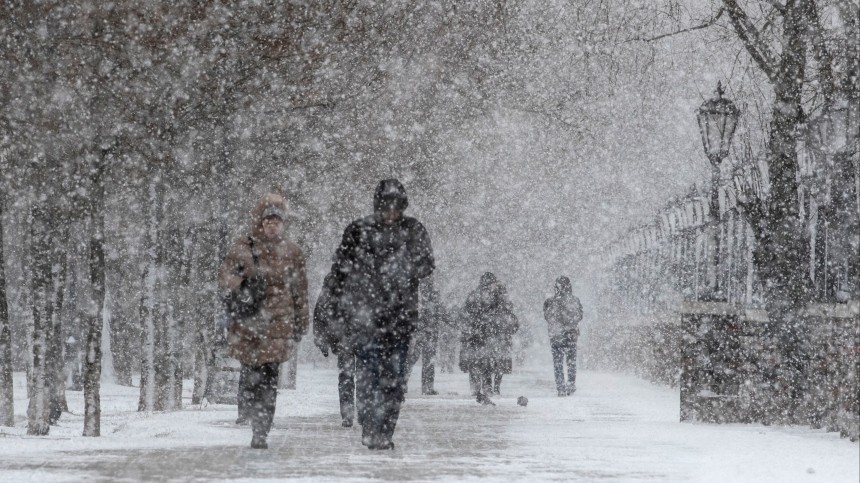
{"x": 563, "y": 312}
{"x": 377, "y": 269}
{"x": 281, "y": 264}
{"x": 488, "y": 329}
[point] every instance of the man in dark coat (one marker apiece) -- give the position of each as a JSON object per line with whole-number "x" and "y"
{"x": 431, "y": 316}
{"x": 489, "y": 324}
{"x": 563, "y": 312}
{"x": 331, "y": 335}
{"x": 377, "y": 269}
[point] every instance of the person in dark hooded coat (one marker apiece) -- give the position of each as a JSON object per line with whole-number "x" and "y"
{"x": 488, "y": 326}
{"x": 331, "y": 334}
{"x": 508, "y": 325}
{"x": 563, "y": 312}
{"x": 377, "y": 270}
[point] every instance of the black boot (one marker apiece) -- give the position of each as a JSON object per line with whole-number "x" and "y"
{"x": 483, "y": 399}
{"x": 259, "y": 442}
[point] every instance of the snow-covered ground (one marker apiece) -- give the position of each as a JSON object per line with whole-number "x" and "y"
{"x": 615, "y": 428}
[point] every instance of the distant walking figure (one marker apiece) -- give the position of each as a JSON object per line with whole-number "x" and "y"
{"x": 264, "y": 285}
{"x": 377, "y": 270}
{"x": 563, "y": 312}
{"x": 487, "y": 330}
{"x": 331, "y": 334}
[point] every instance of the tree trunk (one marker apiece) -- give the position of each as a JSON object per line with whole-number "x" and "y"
{"x": 120, "y": 342}
{"x": 781, "y": 250}
{"x": 215, "y": 336}
{"x": 94, "y": 321}
{"x": 37, "y": 410}
{"x": 204, "y": 320}
{"x": 54, "y": 364}
{"x": 7, "y": 410}
{"x": 162, "y": 324}
{"x": 177, "y": 252}
{"x": 156, "y": 374}
{"x": 123, "y": 327}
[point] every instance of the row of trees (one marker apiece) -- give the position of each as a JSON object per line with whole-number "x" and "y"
{"x": 135, "y": 137}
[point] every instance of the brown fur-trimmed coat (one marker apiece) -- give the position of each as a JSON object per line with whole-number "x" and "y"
{"x": 285, "y": 306}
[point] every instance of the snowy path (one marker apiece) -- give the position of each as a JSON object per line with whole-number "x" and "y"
{"x": 615, "y": 428}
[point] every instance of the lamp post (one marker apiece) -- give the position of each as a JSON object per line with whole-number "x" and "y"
{"x": 718, "y": 118}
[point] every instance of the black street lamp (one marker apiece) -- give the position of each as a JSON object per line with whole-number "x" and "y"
{"x": 718, "y": 118}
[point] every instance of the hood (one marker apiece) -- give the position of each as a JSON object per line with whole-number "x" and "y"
{"x": 271, "y": 200}
{"x": 389, "y": 191}
{"x": 488, "y": 279}
{"x": 563, "y": 286}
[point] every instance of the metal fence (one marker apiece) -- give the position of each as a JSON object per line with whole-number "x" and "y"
{"x": 660, "y": 266}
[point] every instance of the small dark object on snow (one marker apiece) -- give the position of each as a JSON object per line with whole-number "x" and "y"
{"x": 483, "y": 399}
{"x": 243, "y": 421}
{"x": 523, "y": 401}
{"x": 346, "y": 423}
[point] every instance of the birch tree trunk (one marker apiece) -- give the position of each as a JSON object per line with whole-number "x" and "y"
{"x": 7, "y": 410}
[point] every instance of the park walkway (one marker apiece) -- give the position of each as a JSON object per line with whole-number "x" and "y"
{"x": 615, "y": 428}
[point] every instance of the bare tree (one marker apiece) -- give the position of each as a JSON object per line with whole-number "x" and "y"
{"x": 7, "y": 409}
{"x": 93, "y": 325}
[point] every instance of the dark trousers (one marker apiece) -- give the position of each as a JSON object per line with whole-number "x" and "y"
{"x": 380, "y": 383}
{"x": 258, "y": 391}
{"x": 560, "y": 352}
{"x": 425, "y": 349}
{"x": 346, "y": 384}
{"x": 481, "y": 381}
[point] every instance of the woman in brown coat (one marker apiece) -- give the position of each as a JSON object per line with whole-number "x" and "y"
{"x": 267, "y": 259}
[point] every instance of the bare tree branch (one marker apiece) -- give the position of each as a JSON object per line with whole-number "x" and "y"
{"x": 776, "y": 5}
{"x": 701, "y": 26}
{"x": 749, "y": 35}
{"x": 822, "y": 54}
